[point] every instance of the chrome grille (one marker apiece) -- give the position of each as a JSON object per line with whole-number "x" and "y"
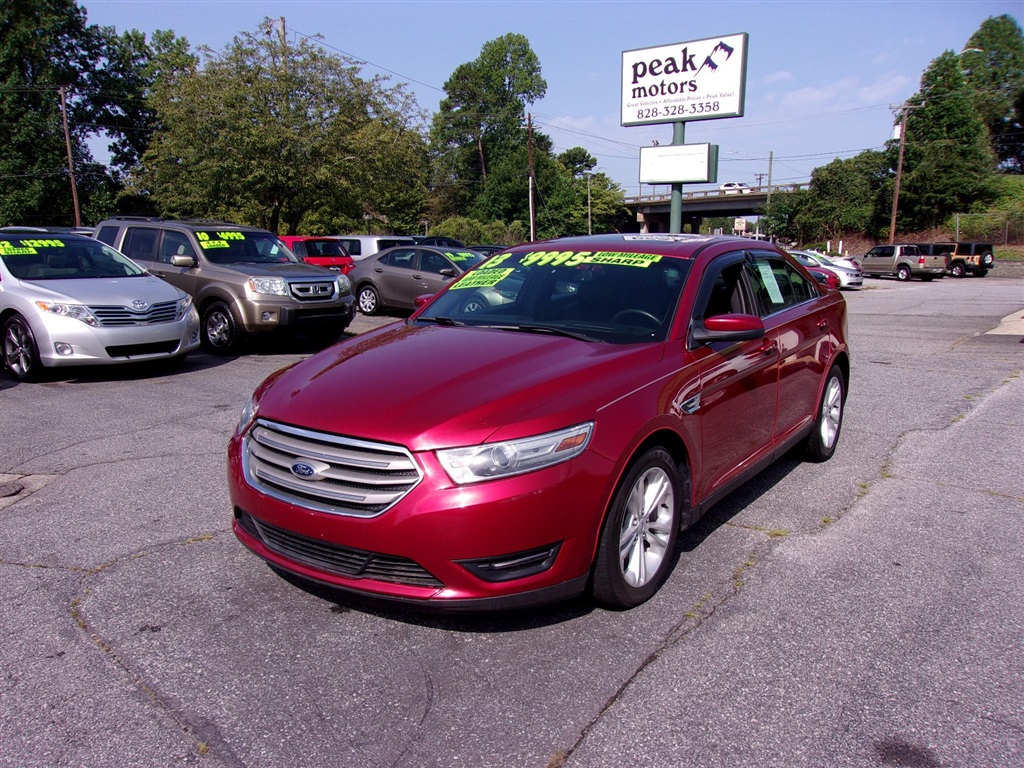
{"x": 164, "y": 312}
{"x": 334, "y": 558}
{"x": 322, "y": 290}
{"x": 352, "y": 477}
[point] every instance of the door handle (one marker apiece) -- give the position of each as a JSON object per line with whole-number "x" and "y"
{"x": 823, "y": 323}
{"x": 769, "y": 347}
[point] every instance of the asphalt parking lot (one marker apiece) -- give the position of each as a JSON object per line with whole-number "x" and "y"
{"x": 864, "y": 612}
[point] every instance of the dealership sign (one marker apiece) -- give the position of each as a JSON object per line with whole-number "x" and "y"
{"x": 697, "y": 80}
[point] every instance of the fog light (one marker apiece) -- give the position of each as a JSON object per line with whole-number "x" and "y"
{"x": 267, "y": 317}
{"x": 194, "y": 337}
{"x": 64, "y": 349}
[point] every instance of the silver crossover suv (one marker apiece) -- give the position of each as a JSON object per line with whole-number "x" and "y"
{"x": 70, "y": 300}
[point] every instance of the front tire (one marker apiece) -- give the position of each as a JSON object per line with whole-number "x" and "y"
{"x": 821, "y": 443}
{"x": 20, "y": 351}
{"x": 222, "y": 330}
{"x": 957, "y": 270}
{"x": 639, "y": 535}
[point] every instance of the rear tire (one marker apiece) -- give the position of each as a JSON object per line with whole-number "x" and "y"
{"x": 903, "y": 273}
{"x": 20, "y": 351}
{"x": 828, "y": 422}
{"x": 957, "y": 270}
{"x": 639, "y": 535}
{"x": 369, "y": 300}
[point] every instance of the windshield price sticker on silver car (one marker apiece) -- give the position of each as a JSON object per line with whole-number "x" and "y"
{"x": 696, "y": 80}
{"x": 27, "y": 247}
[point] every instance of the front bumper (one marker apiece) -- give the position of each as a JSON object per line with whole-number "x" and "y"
{"x": 441, "y": 546}
{"x": 64, "y": 341}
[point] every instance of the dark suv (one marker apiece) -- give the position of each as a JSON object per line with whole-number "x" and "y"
{"x": 243, "y": 280}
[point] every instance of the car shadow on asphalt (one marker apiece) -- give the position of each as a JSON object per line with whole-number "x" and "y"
{"x": 519, "y": 620}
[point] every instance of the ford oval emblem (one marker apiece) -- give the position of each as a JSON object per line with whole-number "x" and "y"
{"x": 303, "y": 469}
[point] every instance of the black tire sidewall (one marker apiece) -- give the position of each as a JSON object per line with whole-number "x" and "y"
{"x": 608, "y": 585}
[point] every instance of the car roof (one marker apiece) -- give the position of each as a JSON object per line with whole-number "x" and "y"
{"x": 190, "y": 224}
{"x": 683, "y": 245}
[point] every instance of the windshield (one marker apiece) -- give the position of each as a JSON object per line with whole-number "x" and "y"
{"x": 45, "y": 258}
{"x": 466, "y": 259}
{"x": 614, "y": 297}
{"x": 234, "y": 247}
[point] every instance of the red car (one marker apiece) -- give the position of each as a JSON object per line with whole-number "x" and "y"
{"x": 323, "y": 251}
{"x": 550, "y": 438}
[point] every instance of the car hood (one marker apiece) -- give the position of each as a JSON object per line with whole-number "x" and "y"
{"x": 278, "y": 269}
{"x": 104, "y": 291}
{"x": 437, "y": 387}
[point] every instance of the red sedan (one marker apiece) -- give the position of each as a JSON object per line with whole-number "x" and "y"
{"x": 550, "y": 438}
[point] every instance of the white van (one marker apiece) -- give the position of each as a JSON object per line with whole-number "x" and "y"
{"x": 361, "y": 246}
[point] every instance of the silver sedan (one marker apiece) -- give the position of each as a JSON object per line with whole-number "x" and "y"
{"x": 70, "y": 300}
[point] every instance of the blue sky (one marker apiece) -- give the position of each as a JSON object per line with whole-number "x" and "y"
{"x": 822, "y": 76}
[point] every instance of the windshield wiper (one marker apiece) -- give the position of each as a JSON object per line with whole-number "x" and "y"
{"x": 554, "y": 331}
{"x": 442, "y": 320}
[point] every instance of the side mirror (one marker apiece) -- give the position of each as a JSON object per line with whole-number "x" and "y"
{"x": 448, "y": 272}
{"x": 728, "y": 328}
{"x": 179, "y": 260}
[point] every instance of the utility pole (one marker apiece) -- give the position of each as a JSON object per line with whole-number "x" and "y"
{"x": 590, "y": 228}
{"x": 529, "y": 150}
{"x": 71, "y": 165}
{"x": 905, "y": 109}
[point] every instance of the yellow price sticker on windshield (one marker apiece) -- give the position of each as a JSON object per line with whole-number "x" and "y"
{"x": 576, "y": 258}
{"x": 214, "y": 244}
{"x": 481, "y": 278}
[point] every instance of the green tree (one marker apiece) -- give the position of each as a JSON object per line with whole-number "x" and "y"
{"x": 949, "y": 162}
{"x": 845, "y": 196}
{"x": 45, "y": 46}
{"x": 993, "y": 64}
{"x": 482, "y": 117}
{"x": 279, "y": 134}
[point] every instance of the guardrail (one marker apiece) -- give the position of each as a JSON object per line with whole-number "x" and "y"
{"x": 662, "y": 197}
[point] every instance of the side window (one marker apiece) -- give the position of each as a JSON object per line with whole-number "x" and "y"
{"x": 728, "y": 295}
{"x": 403, "y": 258}
{"x": 175, "y": 244}
{"x": 140, "y": 243}
{"x": 433, "y": 262}
{"x": 354, "y": 247}
{"x": 300, "y": 249}
{"x": 107, "y": 235}
{"x": 778, "y": 285}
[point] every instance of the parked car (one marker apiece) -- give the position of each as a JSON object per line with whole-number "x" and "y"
{"x": 394, "y": 278}
{"x": 361, "y": 246}
{"x": 443, "y": 242}
{"x": 734, "y": 188}
{"x": 904, "y": 260}
{"x": 529, "y": 451}
{"x": 839, "y": 261}
{"x": 488, "y": 250}
{"x": 326, "y": 252}
{"x": 825, "y": 277}
{"x": 244, "y": 281}
{"x": 847, "y": 278}
{"x": 971, "y": 258}
{"x": 68, "y": 300}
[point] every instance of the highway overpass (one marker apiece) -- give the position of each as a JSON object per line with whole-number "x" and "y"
{"x": 652, "y": 210}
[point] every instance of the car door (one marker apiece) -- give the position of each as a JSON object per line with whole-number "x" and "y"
{"x": 878, "y": 260}
{"x": 393, "y": 276}
{"x": 738, "y": 382}
{"x": 175, "y": 244}
{"x": 433, "y": 272}
{"x": 794, "y": 313}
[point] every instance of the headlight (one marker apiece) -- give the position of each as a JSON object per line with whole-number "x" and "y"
{"x": 344, "y": 284}
{"x": 74, "y": 311}
{"x": 248, "y": 415}
{"x": 183, "y": 305}
{"x": 514, "y": 457}
{"x": 274, "y": 286}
